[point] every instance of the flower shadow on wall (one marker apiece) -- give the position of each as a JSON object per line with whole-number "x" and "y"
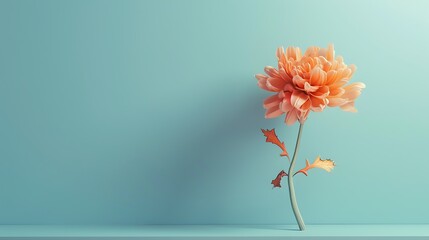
{"x": 206, "y": 157}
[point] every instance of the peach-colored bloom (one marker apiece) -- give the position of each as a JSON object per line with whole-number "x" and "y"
{"x": 308, "y": 82}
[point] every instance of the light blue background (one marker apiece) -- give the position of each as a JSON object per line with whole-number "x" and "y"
{"x": 147, "y": 112}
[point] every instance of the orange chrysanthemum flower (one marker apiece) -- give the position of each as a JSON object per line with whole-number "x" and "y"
{"x": 310, "y": 82}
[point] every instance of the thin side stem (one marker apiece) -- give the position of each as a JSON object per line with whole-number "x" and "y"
{"x": 292, "y": 196}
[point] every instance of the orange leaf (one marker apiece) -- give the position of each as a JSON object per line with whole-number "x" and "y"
{"x": 272, "y": 138}
{"x": 326, "y": 164}
{"x": 276, "y": 181}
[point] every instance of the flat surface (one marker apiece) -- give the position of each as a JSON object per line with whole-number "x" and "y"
{"x": 214, "y": 231}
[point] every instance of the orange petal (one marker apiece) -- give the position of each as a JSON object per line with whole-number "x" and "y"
{"x": 344, "y": 74}
{"x": 298, "y": 98}
{"x": 353, "y": 68}
{"x": 299, "y": 81}
{"x": 326, "y": 64}
{"x": 262, "y": 82}
{"x": 330, "y": 54}
{"x": 331, "y": 77}
{"x": 273, "y": 112}
{"x": 305, "y": 106}
{"x": 303, "y": 116}
{"x": 351, "y": 94}
{"x": 312, "y": 51}
{"x": 272, "y": 101}
{"x": 336, "y": 92}
{"x": 349, "y": 107}
{"x": 275, "y": 84}
{"x": 291, "y": 117}
{"x": 280, "y": 53}
{"x": 339, "y": 83}
{"x": 308, "y": 88}
{"x": 263, "y": 85}
{"x": 285, "y": 105}
{"x": 322, "y": 92}
{"x": 272, "y": 72}
{"x": 353, "y": 90}
{"x": 289, "y": 87}
{"x": 317, "y": 104}
{"x": 284, "y": 75}
{"x": 335, "y": 102}
{"x": 261, "y": 77}
{"x": 317, "y": 77}
{"x": 294, "y": 53}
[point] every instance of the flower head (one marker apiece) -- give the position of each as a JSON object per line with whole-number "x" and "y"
{"x": 309, "y": 82}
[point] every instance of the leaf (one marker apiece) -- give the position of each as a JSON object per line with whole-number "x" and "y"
{"x": 276, "y": 181}
{"x": 326, "y": 164}
{"x": 272, "y": 138}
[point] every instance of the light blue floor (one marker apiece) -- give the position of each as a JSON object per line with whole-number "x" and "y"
{"x": 216, "y": 232}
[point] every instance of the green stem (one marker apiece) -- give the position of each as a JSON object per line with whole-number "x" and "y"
{"x": 292, "y": 196}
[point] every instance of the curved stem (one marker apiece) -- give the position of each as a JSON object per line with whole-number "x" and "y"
{"x": 292, "y": 196}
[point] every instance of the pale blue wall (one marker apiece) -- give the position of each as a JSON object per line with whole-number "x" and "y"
{"x": 136, "y": 112}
